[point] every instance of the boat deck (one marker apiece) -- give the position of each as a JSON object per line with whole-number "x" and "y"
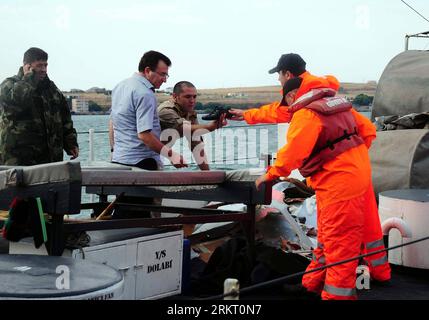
{"x": 406, "y": 284}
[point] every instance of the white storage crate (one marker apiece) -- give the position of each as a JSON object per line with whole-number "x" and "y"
{"x": 149, "y": 259}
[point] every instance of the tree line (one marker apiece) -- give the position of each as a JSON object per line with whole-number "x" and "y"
{"x": 359, "y": 100}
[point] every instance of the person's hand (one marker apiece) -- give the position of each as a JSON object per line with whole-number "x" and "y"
{"x": 222, "y": 121}
{"x": 261, "y": 179}
{"x": 74, "y": 153}
{"x": 237, "y": 114}
{"x": 27, "y": 69}
{"x": 111, "y": 153}
{"x": 177, "y": 160}
{"x": 217, "y": 124}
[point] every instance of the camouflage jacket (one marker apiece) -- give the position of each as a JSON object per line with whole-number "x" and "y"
{"x": 35, "y": 122}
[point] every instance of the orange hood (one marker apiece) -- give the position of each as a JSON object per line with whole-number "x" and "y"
{"x": 310, "y": 82}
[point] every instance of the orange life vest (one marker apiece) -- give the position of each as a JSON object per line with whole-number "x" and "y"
{"x": 339, "y": 130}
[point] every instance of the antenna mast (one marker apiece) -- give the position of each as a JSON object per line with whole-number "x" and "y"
{"x": 417, "y": 35}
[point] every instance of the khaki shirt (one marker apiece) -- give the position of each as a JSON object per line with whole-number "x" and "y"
{"x": 171, "y": 116}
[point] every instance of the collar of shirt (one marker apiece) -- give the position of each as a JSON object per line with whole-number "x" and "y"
{"x": 20, "y": 72}
{"x": 144, "y": 81}
{"x": 183, "y": 114}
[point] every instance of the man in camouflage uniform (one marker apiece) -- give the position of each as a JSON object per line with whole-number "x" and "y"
{"x": 35, "y": 120}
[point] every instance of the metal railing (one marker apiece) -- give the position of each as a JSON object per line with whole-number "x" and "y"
{"x": 265, "y": 157}
{"x": 417, "y": 35}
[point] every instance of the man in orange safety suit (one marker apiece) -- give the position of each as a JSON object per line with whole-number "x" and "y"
{"x": 328, "y": 142}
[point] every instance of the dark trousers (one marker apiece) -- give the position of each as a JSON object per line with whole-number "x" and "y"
{"x": 122, "y": 213}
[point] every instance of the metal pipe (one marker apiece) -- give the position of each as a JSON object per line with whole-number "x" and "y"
{"x": 91, "y": 145}
{"x": 267, "y": 159}
{"x": 91, "y": 156}
{"x": 417, "y": 35}
{"x": 396, "y": 223}
{"x": 231, "y": 287}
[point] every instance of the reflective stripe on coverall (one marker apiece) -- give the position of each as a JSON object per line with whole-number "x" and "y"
{"x": 372, "y": 236}
{"x": 329, "y": 184}
{"x": 378, "y": 264}
{"x": 340, "y": 228}
{"x": 335, "y": 202}
{"x": 340, "y": 203}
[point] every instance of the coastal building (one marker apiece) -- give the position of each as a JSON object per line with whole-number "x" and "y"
{"x": 80, "y": 105}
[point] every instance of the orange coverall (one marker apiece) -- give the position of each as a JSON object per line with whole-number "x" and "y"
{"x": 343, "y": 191}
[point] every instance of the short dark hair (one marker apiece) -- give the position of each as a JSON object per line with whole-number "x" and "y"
{"x": 178, "y": 87}
{"x": 34, "y": 54}
{"x": 151, "y": 58}
{"x": 290, "y": 85}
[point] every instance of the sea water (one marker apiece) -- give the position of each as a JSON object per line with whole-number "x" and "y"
{"x": 235, "y": 146}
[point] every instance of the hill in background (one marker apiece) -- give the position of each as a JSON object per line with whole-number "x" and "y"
{"x": 236, "y": 97}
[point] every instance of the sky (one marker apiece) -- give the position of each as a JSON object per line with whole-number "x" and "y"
{"x": 214, "y": 44}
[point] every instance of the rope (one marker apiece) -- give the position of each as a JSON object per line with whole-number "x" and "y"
{"x": 415, "y": 10}
{"x": 282, "y": 279}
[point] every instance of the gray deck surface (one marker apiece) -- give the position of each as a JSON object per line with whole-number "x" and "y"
{"x": 406, "y": 284}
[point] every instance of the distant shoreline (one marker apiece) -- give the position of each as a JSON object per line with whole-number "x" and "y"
{"x": 239, "y": 98}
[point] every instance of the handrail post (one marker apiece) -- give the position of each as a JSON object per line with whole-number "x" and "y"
{"x": 91, "y": 145}
{"x": 267, "y": 159}
{"x": 231, "y": 286}
{"x": 91, "y": 156}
